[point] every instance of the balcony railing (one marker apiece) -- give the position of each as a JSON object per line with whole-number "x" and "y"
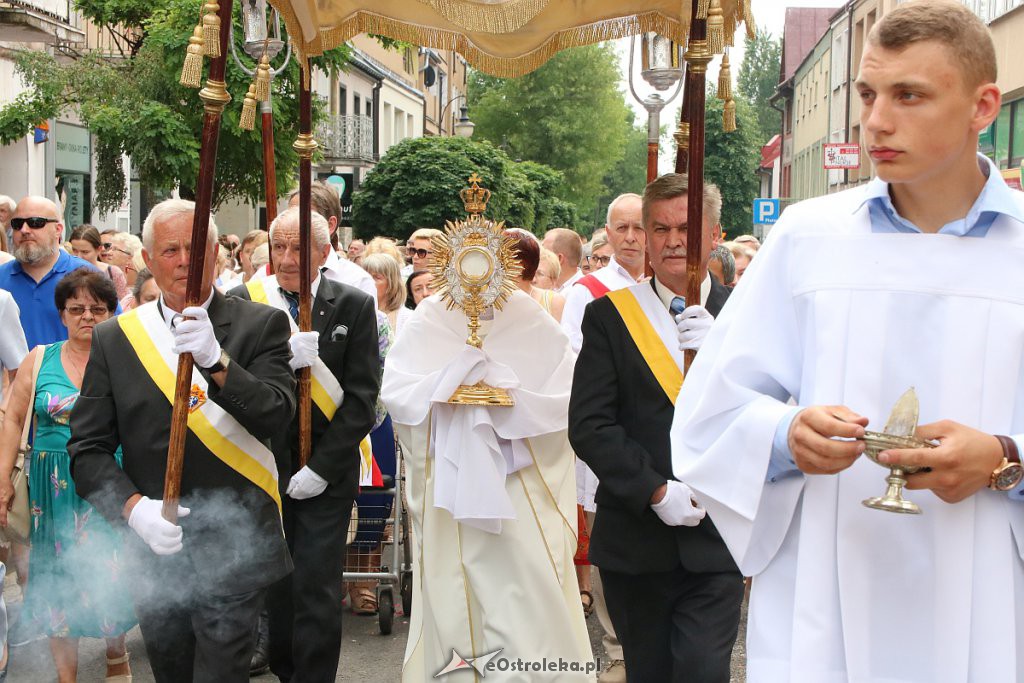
{"x": 39, "y": 21}
{"x": 346, "y": 137}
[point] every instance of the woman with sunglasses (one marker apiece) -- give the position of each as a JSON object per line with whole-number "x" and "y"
{"x": 74, "y": 590}
{"x": 86, "y": 244}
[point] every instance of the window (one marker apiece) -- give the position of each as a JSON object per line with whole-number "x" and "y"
{"x": 369, "y": 108}
{"x": 356, "y": 104}
{"x": 1003, "y": 137}
{"x": 839, "y": 42}
{"x": 342, "y": 100}
{"x": 1017, "y": 136}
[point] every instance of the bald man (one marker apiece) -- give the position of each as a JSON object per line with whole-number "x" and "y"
{"x": 38, "y": 228}
{"x": 568, "y": 247}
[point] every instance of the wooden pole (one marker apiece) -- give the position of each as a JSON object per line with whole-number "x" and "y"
{"x": 697, "y": 57}
{"x": 305, "y": 145}
{"x": 215, "y": 97}
{"x": 652, "y": 160}
{"x": 269, "y": 175}
{"x": 682, "y": 135}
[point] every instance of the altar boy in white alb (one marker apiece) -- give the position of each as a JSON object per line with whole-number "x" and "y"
{"x": 914, "y": 280}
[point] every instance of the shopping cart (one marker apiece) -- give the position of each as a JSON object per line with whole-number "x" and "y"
{"x": 379, "y": 547}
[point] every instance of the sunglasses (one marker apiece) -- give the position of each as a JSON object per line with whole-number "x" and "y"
{"x": 419, "y": 253}
{"x": 34, "y": 222}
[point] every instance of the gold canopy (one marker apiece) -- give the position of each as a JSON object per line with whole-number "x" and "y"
{"x": 506, "y": 38}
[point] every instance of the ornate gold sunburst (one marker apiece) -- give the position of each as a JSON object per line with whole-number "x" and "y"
{"x": 475, "y": 266}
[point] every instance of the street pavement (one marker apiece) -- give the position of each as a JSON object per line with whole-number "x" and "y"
{"x": 366, "y": 655}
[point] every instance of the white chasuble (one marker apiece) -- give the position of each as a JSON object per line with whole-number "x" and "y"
{"x": 831, "y": 313}
{"x": 491, "y": 493}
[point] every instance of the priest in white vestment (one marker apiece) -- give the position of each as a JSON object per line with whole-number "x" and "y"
{"x": 914, "y": 280}
{"x": 491, "y": 494}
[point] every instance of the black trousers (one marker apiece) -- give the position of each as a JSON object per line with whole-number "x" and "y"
{"x": 192, "y": 637}
{"x": 305, "y": 606}
{"x": 675, "y": 626}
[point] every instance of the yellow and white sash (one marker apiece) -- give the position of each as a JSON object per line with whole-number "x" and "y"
{"x": 325, "y": 390}
{"x": 654, "y": 331}
{"x": 151, "y": 339}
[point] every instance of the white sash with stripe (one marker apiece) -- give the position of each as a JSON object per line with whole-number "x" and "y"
{"x": 150, "y": 337}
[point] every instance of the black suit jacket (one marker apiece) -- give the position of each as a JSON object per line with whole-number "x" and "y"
{"x": 345, "y": 319}
{"x": 619, "y": 422}
{"x": 232, "y": 538}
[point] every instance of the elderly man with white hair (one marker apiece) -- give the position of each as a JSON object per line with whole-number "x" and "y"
{"x": 198, "y": 585}
{"x": 341, "y": 352}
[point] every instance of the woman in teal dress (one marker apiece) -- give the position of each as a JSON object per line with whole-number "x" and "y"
{"x": 74, "y": 588}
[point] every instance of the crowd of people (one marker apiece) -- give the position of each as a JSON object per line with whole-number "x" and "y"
{"x": 558, "y": 464}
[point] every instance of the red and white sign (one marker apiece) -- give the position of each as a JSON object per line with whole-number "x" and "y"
{"x": 842, "y": 155}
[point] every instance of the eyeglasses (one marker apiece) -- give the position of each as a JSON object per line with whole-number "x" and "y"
{"x": 418, "y": 253}
{"x": 601, "y": 260}
{"x": 78, "y": 311}
{"x": 109, "y": 246}
{"x": 34, "y": 222}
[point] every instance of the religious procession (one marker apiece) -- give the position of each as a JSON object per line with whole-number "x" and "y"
{"x": 482, "y": 436}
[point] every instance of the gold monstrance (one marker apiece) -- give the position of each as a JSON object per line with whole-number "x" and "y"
{"x": 474, "y": 267}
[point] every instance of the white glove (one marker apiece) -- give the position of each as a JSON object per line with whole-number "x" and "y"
{"x": 196, "y": 337}
{"x": 305, "y": 347}
{"x": 693, "y": 325}
{"x": 148, "y": 522}
{"x": 306, "y": 484}
{"x": 678, "y": 508}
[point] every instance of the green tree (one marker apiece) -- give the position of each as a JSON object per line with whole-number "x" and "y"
{"x": 730, "y": 161}
{"x": 417, "y": 184}
{"x": 569, "y": 114}
{"x": 629, "y": 174}
{"x": 132, "y": 102}
{"x": 758, "y": 80}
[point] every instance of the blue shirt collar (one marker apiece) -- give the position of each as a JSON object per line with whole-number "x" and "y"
{"x": 995, "y": 198}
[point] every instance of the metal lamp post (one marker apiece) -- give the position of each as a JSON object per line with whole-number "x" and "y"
{"x": 463, "y": 128}
{"x": 661, "y": 68}
{"x": 263, "y": 48}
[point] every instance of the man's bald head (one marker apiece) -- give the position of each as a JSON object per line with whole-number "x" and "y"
{"x": 569, "y": 248}
{"x": 35, "y": 246}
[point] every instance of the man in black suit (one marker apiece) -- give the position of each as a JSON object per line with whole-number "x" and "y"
{"x": 305, "y": 608}
{"x": 199, "y": 585}
{"x": 672, "y": 589}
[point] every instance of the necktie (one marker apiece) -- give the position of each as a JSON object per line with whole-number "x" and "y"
{"x": 293, "y": 304}
{"x": 677, "y": 305}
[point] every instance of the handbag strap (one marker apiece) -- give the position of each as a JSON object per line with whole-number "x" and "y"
{"x": 40, "y": 351}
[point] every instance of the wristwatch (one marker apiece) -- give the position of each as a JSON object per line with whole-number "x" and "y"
{"x": 221, "y": 364}
{"x": 1010, "y": 471}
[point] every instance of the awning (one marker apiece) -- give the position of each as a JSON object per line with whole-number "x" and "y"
{"x": 505, "y": 38}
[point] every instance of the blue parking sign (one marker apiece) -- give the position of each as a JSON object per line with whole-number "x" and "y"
{"x": 766, "y": 211}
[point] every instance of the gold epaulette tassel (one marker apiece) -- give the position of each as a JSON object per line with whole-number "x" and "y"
{"x": 725, "y": 79}
{"x": 192, "y": 70}
{"x": 263, "y": 79}
{"x": 729, "y": 116}
{"x": 211, "y": 29}
{"x": 247, "y": 121}
{"x": 716, "y": 28}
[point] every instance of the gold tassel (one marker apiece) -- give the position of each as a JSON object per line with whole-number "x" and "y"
{"x": 247, "y": 121}
{"x": 730, "y": 31}
{"x": 729, "y": 116}
{"x": 748, "y": 20}
{"x": 716, "y": 28}
{"x": 263, "y": 79}
{"x": 725, "y": 79}
{"x": 702, "y": 9}
{"x": 211, "y": 29}
{"x": 192, "y": 70}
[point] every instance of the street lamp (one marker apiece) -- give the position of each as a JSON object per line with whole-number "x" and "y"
{"x": 661, "y": 69}
{"x": 463, "y": 128}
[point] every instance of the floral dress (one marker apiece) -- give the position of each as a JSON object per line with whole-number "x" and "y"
{"x": 74, "y": 588}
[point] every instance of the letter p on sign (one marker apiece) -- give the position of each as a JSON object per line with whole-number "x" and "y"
{"x": 766, "y": 211}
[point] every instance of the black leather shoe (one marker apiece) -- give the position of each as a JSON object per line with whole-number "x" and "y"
{"x": 260, "y": 656}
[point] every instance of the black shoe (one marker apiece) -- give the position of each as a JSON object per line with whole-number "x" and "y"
{"x": 260, "y": 656}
